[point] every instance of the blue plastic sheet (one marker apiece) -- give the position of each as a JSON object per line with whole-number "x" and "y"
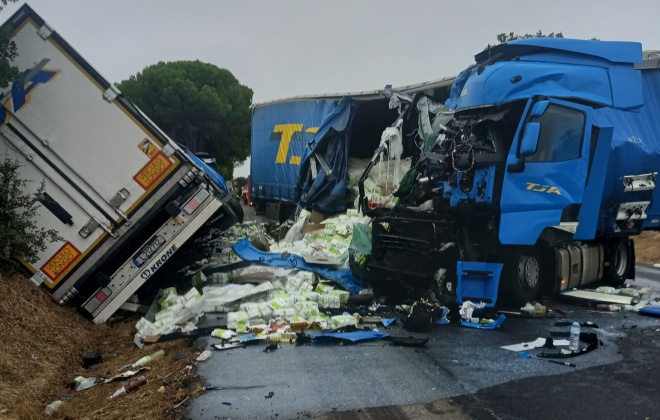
{"x": 343, "y": 277}
{"x": 499, "y": 321}
{"x": 326, "y": 156}
{"x": 353, "y": 337}
{"x": 388, "y": 321}
{"x": 443, "y": 319}
{"x": 650, "y": 311}
{"x": 212, "y": 173}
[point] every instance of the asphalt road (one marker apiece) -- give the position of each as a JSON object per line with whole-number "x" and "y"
{"x": 460, "y": 373}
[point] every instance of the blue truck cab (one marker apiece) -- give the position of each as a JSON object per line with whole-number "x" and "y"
{"x": 547, "y": 164}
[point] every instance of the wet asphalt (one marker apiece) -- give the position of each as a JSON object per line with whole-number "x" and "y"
{"x": 459, "y": 373}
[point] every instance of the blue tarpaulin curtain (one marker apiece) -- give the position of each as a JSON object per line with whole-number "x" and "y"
{"x": 343, "y": 277}
{"x": 326, "y": 192}
{"x": 280, "y": 133}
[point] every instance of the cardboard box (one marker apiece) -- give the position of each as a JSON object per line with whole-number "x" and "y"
{"x": 314, "y": 228}
{"x": 317, "y": 217}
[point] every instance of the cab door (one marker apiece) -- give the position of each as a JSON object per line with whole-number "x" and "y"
{"x": 546, "y": 171}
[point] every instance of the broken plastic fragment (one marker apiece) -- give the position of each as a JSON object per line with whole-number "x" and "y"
{"x": 443, "y": 317}
{"x": 499, "y": 321}
{"x": 125, "y": 375}
{"x": 83, "y": 383}
{"x": 539, "y": 342}
{"x": 388, "y": 321}
{"x": 203, "y": 356}
{"x": 353, "y": 337}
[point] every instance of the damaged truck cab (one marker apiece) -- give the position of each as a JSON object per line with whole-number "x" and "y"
{"x": 544, "y": 160}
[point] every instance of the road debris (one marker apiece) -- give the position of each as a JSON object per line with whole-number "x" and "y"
{"x": 205, "y": 355}
{"x": 409, "y": 341}
{"x": 126, "y": 375}
{"x": 81, "y": 383}
{"x": 228, "y": 346}
{"x": 130, "y": 388}
{"x": 559, "y": 363}
{"x": 539, "y": 342}
{"x": 271, "y": 347}
{"x": 591, "y": 339}
{"x": 145, "y": 360}
{"x": 342, "y": 337}
{"x": 92, "y": 359}
{"x": 53, "y": 407}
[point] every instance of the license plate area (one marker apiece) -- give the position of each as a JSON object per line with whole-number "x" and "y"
{"x": 149, "y": 250}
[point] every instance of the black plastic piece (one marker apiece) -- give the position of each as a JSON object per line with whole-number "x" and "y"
{"x": 173, "y": 208}
{"x": 409, "y": 341}
{"x": 92, "y": 359}
{"x": 56, "y": 209}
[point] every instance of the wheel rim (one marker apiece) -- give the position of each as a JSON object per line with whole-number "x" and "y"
{"x": 528, "y": 271}
{"x": 621, "y": 260}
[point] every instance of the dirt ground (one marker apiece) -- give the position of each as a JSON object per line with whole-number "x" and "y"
{"x": 647, "y": 248}
{"x": 41, "y": 349}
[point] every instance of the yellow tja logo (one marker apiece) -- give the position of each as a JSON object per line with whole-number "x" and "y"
{"x": 542, "y": 188}
{"x": 288, "y": 131}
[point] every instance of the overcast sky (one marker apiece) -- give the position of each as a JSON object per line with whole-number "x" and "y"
{"x": 282, "y": 48}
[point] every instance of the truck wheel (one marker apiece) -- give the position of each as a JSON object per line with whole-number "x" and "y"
{"x": 620, "y": 259}
{"x": 522, "y": 277}
{"x": 236, "y": 207}
{"x": 227, "y": 222}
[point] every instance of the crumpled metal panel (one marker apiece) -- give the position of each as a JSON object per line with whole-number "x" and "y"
{"x": 599, "y": 72}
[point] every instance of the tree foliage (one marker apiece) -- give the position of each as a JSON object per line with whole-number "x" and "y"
{"x": 20, "y": 237}
{"x": 504, "y": 37}
{"x": 198, "y": 104}
{"x": 8, "y": 73}
{"x": 241, "y": 181}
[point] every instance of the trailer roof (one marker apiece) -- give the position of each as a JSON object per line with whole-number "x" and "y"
{"x": 651, "y": 59}
{"x": 366, "y": 95}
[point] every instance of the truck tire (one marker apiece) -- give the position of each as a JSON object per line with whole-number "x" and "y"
{"x": 236, "y": 207}
{"x": 521, "y": 277}
{"x": 620, "y": 259}
{"x": 227, "y": 222}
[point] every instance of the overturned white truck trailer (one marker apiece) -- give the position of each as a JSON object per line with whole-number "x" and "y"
{"x": 122, "y": 195}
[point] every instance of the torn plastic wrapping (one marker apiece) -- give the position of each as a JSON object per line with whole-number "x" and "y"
{"x": 322, "y": 178}
{"x": 361, "y": 240}
{"x": 288, "y": 302}
{"x": 297, "y": 231}
{"x": 284, "y": 281}
{"x": 384, "y": 178}
{"x": 468, "y": 308}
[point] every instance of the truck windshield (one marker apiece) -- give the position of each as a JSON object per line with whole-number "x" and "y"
{"x": 560, "y": 138}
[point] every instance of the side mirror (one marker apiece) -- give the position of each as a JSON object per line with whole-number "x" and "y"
{"x": 530, "y": 139}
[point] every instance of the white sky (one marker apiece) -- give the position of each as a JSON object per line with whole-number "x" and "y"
{"x": 282, "y": 48}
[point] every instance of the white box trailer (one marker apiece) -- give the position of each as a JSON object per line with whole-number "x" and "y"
{"x": 121, "y": 193}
